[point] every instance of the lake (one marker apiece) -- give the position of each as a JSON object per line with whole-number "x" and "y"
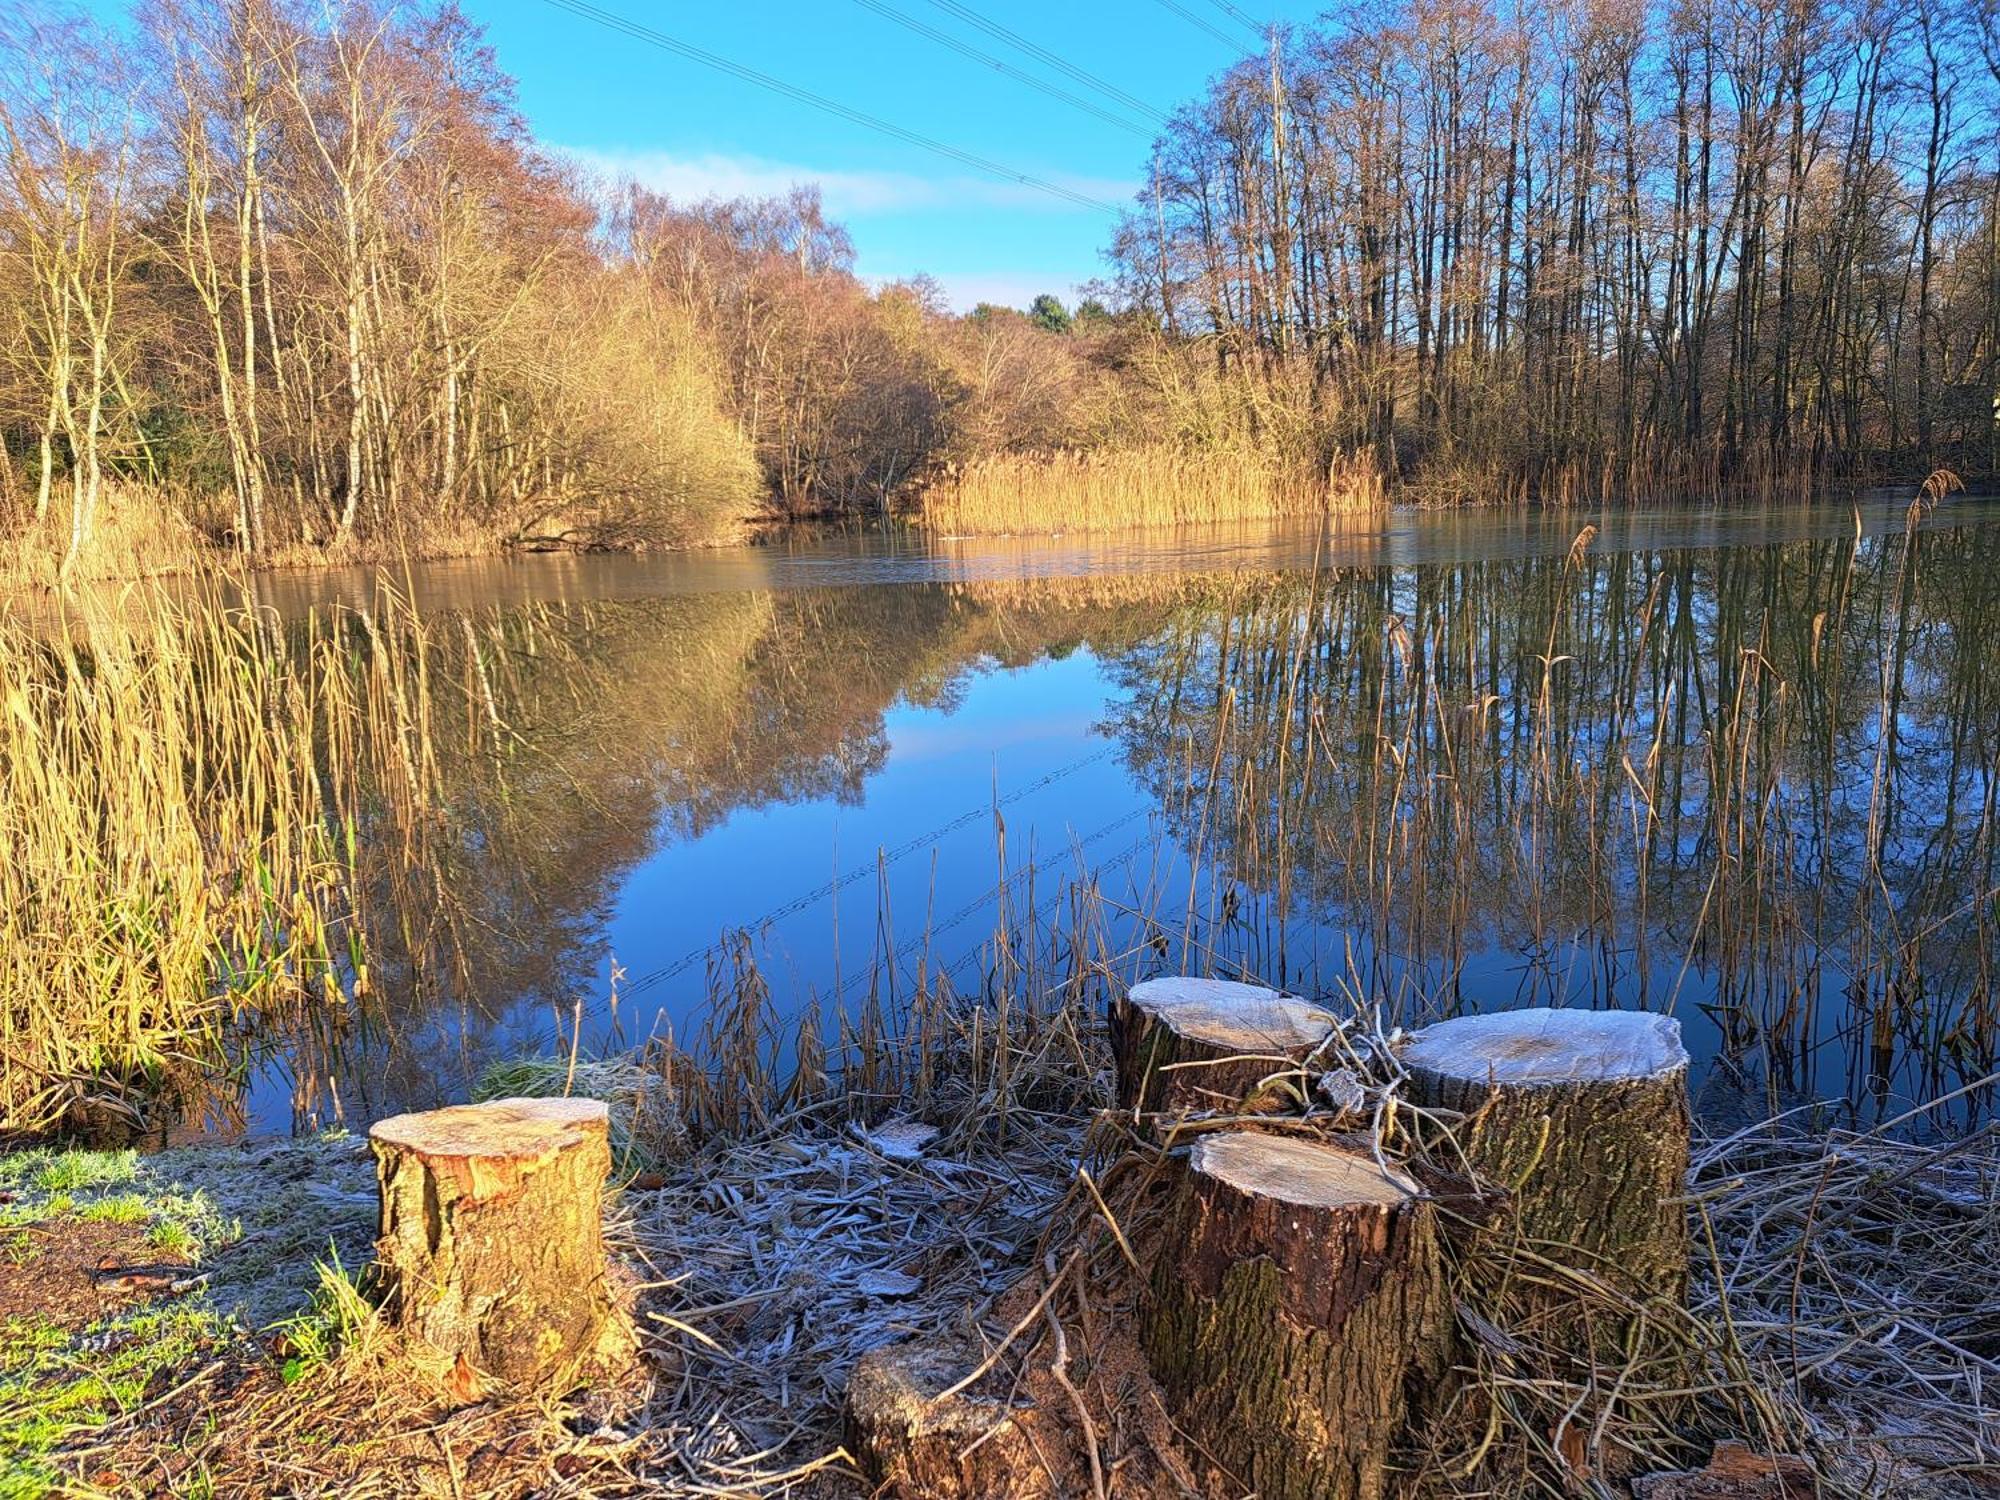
{"x": 1737, "y": 764}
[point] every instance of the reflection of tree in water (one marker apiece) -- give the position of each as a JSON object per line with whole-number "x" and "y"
{"x": 572, "y": 740}
{"x": 1755, "y": 779}
{"x": 1582, "y": 777}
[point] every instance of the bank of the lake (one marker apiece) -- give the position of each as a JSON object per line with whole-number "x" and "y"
{"x": 198, "y": 1320}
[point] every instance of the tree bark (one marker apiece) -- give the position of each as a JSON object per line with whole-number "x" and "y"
{"x": 1296, "y": 1298}
{"x": 491, "y": 1246}
{"x": 1583, "y": 1117}
{"x": 972, "y": 1445}
{"x": 1205, "y": 1044}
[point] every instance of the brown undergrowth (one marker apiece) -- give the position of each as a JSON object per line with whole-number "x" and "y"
{"x": 949, "y": 1167}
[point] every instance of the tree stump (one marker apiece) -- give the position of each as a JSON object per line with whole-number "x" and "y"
{"x": 1206, "y": 1044}
{"x": 1296, "y": 1298}
{"x": 490, "y": 1255}
{"x": 970, "y": 1446}
{"x": 1582, "y": 1115}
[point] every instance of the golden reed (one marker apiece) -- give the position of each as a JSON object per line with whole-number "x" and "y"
{"x": 1156, "y": 485}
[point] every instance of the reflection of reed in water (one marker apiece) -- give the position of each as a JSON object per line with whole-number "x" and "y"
{"x": 1625, "y": 777}
{"x": 1754, "y": 780}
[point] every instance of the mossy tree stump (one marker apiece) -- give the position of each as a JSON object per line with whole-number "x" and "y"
{"x": 490, "y": 1254}
{"x": 1208, "y": 1044}
{"x": 1296, "y": 1299}
{"x": 972, "y": 1445}
{"x": 1582, "y": 1115}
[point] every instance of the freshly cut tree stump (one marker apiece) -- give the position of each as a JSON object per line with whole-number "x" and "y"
{"x": 490, "y": 1255}
{"x": 1296, "y": 1298}
{"x": 1583, "y": 1116}
{"x": 969, "y": 1446}
{"x": 1205, "y": 1044}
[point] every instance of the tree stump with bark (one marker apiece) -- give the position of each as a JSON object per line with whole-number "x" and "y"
{"x": 1296, "y": 1298}
{"x": 1210, "y": 1044}
{"x": 972, "y": 1445}
{"x": 1582, "y": 1116}
{"x": 490, "y": 1253}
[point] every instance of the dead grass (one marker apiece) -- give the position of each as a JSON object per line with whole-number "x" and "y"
{"x": 951, "y": 1170}
{"x": 138, "y": 532}
{"x": 196, "y": 815}
{"x": 1113, "y": 488}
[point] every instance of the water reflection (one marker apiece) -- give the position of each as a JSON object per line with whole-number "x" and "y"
{"x": 1741, "y": 766}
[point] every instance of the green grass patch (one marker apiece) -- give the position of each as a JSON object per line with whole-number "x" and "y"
{"x": 337, "y": 1316}
{"x": 69, "y": 1171}
{"x": 119, "y": 1208}
{"x": 54, "y": 1385}
{"x": 110, "y": 1187}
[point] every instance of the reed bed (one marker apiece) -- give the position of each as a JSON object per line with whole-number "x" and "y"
{"x": 1156, "y": 485}
{"x": 186, "y": 800}
{"x": 138, "y": 532}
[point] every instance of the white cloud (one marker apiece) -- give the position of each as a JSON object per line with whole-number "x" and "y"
{"x": 847, "y": 194}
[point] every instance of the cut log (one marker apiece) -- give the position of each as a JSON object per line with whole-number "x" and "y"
{"x": 1735, "y": 1472}
{"x": 490, "y": 1255}
{"x": 970, "y": 1446}
{"x": 1296, "y": 1298}
{"x": 1209, "y": 1044}
{"x": 1582, "y": 1116}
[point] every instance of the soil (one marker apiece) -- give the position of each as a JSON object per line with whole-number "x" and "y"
{"x": 72, "y": 1272}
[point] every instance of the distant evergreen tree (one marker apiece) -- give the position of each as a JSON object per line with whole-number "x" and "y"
{"x": 1090, "y": 313}
{"x": 1047, "y": 313}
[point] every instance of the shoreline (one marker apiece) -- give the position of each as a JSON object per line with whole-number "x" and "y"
{"x": 25, "y": 567}
{"x": 876, "y": 1217}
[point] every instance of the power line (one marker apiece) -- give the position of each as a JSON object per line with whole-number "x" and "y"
{"x": 615, "y": 22}
{"x": 1201, "y": 21}
{"x": 946, "y": 39}
{"x": 1261, "y": 31}
{"x": 1042, "y": 54}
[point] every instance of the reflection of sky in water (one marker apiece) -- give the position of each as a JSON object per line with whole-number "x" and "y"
{"x": 1053, "y": 742}
{"x": 929, "y": 809}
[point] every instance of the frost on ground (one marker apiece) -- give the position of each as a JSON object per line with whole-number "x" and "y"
{"x": 250, "y": 1221}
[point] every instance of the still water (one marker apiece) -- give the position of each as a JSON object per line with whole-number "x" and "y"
{"x": 1737, "y": 764}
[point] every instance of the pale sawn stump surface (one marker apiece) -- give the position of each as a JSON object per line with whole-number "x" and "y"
{"x": 1297, "y": 1298}
{"x": 1207, "y": 1044}
{"x": 1584, "y": 1115}
{"x": 490, "y": 1251}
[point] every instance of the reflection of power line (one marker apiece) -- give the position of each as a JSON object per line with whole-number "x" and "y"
{"x": 987, "y": 898}
{"x": 862, "y": 872}
{"x": 614, "y": 22}
{"x": 946, "y": 39}
{"x": 1042, "y": 55}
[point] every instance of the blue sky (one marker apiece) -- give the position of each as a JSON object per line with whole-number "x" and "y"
{"x": 627, "y": 106}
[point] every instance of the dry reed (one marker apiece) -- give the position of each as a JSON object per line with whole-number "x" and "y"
{"x": 185, "y": 799}
{"x": 1158, "y": 485}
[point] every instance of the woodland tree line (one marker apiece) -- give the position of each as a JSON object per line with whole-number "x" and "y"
{"x": 1599, "y": 242}
{"x": 293, "y": 276}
